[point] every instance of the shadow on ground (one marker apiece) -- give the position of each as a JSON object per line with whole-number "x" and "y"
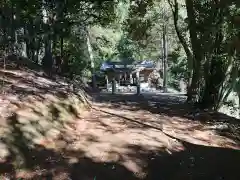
{"x": 173, "y": 106}
{"x": 40, "y": 162}
{"x": 28, "y": 160}
{"x": 194, "y": 162}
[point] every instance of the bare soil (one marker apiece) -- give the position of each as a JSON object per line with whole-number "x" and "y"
{"x": 122, "y": 137}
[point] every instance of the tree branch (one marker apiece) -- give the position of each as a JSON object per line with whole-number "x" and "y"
{"x": 174, "y": 8}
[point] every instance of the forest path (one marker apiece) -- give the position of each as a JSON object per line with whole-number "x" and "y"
{"x": 155, "y": 139}
{"x": 165, "y": 114}
{"x": 130, "y": 137}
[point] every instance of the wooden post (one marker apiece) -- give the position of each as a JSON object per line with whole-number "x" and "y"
{"x": 114, "y": 81}
{"x": 106, "y": 77}
{"x": 131, "y": 78}
{"x": 114, "y": 86}
{"x": 138, "y": 83}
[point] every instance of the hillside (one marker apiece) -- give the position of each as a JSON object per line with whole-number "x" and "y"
{"x": 35, "y": 110}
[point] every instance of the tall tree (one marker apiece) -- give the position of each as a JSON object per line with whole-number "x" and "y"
{"x": 208, "y": 26}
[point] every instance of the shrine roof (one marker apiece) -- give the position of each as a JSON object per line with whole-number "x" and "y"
{"x": 119, "y": 66}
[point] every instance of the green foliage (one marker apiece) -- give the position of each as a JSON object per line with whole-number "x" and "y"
{"x": 137, "y": 24}
{"x": 126, "y": 30}
{"x": 104, "y": 42}
{"x": 178, "y": 66}
{"x": 77, "y": 49}
{"x": 210, "y": 49}
{"x": 127, "y": 50}
{"x": 51, "y": 25}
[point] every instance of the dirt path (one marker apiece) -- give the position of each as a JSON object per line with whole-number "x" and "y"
{"x": 141, "y": 141}
{"x": 162, "y": 126}
{"x": 131, "y": 138}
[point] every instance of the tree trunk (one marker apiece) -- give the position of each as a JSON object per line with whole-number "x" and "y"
{"x": 189, "y": 79}
{"x": 37, "y": 51}
{"x": 47, "y": 61}
{"x": 215, "y": 79}
{"x": 33, "y": 55}
{"x": 193, "y": 90}
{"x": 54, "y": 43}
{"x": 24, "y": 43}
{"x": 36, "y": 56}
{"x": 12, "y": 29}
{"x": 239, "y": 105}
{"x": 215, "y": 76}
{"x": 61, "y": 46}
{"x": 165, "y": 58}
{"x": 90, "y": 52}
{"x": 175, "y": 11}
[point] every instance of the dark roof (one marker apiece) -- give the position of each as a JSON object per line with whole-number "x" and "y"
{"x": 120, "y": 65}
